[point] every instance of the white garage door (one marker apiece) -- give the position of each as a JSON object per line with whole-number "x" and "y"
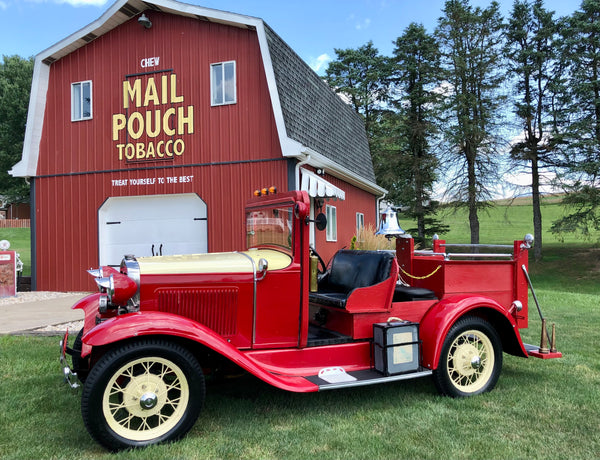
{"x": 151, "y": 225}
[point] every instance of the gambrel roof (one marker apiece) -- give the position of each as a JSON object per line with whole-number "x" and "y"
{"x": 314, "y": 115}
{"x": 314, "y": 125}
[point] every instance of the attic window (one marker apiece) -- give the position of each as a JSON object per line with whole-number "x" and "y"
{"x": 223, "y": 83}
{"x": 81, "y": 101}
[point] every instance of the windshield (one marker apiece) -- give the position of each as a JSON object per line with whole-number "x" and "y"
{"x": 271, "y": 227}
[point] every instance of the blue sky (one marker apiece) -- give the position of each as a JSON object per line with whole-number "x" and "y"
{"x": 313, "y": 28}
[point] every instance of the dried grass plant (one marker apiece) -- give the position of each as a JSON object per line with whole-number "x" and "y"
{"x": 367, "y": 240}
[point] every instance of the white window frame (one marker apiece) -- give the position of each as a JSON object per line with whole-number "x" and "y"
{"x": 221, "y": 92}
{"x": 77, "y": 101}
{"x": 360, "y": 226}
{"x": 331, "y": 230}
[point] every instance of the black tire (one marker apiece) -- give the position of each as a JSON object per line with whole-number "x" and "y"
{"x": 142, "y": 393}
{"x": 471, "y": 359}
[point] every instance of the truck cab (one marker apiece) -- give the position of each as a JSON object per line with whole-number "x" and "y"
{"x": 159, "y": 325}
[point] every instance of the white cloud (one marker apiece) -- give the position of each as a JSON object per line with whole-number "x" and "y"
{"x": 359, "y": 24}
{"x": 364, "y": 24}
{"x": 83, "y": 2}
{"x": 75, "y": 3}
{"x": 319, "y": 64}
{"x": 3, "y": 5}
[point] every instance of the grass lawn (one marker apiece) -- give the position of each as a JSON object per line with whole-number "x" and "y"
{"x": 505, "y": 222}
{"x": 539, "y": 409}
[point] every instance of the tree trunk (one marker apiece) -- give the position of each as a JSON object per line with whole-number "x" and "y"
{"x": 419, "y": 198}
{"x": 537, "y": 210}
{"x": 472, "y": 199}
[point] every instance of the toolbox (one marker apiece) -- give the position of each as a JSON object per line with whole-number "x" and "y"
{"x": 396, "y": 347}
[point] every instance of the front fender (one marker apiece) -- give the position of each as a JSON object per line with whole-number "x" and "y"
{"x": 141, "y": 324}
{"x": 436, "y": 323}
{"x": 89, "y": 305}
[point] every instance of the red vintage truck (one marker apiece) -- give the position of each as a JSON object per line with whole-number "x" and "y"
{"x": 159, "y": 325}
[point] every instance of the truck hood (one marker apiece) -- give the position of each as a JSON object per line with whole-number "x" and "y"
{"x": 215, "y": 262}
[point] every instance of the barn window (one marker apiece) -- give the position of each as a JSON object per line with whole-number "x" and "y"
{"x": 222, "y": 83}
{"x": 360, "y": 226}
{"x": 81, "y": 101}
{"x": 331, "y": 223}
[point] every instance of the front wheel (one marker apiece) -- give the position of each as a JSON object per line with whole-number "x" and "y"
{"x": 142, "y": 393}
{"x": 471, "y": 359}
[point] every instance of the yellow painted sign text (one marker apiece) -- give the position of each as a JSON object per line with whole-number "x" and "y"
{"x": 161, "y": 124}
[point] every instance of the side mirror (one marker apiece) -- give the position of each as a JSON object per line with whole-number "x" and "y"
{"x": 321, "y": 222}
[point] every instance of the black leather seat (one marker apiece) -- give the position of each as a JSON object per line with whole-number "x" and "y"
{"x": 351, "y": 270}
{"x": 409, "y": 293}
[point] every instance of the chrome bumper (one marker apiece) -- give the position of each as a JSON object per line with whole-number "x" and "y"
{"x": 68, "y": 374}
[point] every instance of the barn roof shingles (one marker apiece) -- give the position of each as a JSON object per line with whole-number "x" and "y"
{"x": 314, "y": 115}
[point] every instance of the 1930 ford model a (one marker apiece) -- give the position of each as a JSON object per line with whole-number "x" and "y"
{"x": 159, "y": 324}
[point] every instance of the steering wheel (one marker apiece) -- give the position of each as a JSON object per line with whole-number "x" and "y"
{"x": 323, "y": 267}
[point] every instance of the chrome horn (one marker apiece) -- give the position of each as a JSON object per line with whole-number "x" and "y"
{"x": 388, "y": 226}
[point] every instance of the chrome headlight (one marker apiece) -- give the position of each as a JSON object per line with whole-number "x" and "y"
{"x": 118, "y": 289}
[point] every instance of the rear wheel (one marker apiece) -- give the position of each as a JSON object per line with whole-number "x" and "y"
{"x": 142, "y": 393}
{"x": 471, "y": 359}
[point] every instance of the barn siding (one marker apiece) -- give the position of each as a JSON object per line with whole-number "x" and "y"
{"x": 67, "y": 231}
{"x": 233, "y": 149}
{"x": 357, "y": 200}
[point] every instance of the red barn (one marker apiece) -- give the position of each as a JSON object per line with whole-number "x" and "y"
{"x": 150, "y": 128}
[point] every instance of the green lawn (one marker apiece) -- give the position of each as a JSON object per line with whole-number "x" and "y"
{"x": 539, "y": 409}
{"x": 506, "y": 222}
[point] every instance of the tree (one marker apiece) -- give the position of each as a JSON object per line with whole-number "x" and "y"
{"x": 416, "y": 76}
{"x": 471, "y": 41}
{"x": 532, "y": 61}
{"x": 580, "y": 125}
{"x": 361, "y": 75}
{"x": 15, "y": 84}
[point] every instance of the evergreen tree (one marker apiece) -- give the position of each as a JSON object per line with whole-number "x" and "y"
{"x": 361, "y": 76}
{"x": 416, "y": 76}
{"x": 15, "y": 84}
{"x": 580, "y": 124}
{"x": 531, "y": 51}
{"x": 471, "y": 43}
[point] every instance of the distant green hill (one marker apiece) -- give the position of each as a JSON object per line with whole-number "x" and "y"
{"x": 506, "y": 221}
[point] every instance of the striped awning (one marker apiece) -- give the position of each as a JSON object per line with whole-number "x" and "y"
{"x": 317, "y": 187}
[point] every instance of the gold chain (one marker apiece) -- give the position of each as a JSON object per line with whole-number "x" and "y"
{"x": 420, "y": 277}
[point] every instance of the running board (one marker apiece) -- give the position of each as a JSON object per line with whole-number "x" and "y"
{"x": 534, "y": 351}
{"x": 361, "y": 378}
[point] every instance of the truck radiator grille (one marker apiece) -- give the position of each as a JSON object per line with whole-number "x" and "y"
{"x": 216, "y": 308}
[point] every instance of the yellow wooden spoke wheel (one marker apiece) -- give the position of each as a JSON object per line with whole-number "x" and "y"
{"x": 471, "y": 358}
{"x": 145, "y": 398}
{"x": 470, "y": 361}
{"x": 143, "y": 393}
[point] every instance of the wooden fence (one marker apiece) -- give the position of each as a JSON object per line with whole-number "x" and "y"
{"x": 15, "y": 223}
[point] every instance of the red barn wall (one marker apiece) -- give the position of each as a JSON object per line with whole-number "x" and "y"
{"x": 224, "y": 153}
{"x": 357, "y": 200}
{"x": 232, "y": 150}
